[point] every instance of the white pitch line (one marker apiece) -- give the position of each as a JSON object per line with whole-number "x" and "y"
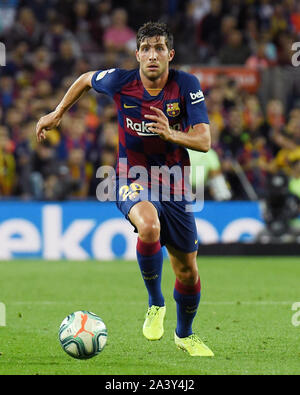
{"x": 213, "y": 303}
{"x": 254, "y": 303}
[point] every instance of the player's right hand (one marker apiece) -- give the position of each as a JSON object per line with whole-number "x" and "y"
{"x": 47, "y": 122}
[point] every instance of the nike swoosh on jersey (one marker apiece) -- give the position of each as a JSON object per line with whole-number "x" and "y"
{"x": 127, "y": 106}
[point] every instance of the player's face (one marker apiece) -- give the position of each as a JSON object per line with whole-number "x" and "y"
{"x": 154, "y": 57}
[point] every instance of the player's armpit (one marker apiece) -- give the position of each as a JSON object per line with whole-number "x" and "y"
{"x": 87, "y": 78}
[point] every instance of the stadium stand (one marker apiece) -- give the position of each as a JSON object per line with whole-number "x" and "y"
{"x": 256, "y": 134}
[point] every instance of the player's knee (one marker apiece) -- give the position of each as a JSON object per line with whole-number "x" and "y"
{"x": 188, "y": 276}
{"x": 149, "y": 230}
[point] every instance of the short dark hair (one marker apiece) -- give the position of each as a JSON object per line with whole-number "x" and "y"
{"x": 154, "y": 29}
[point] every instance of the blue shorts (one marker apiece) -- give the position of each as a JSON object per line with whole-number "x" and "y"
{"x": 178, "y": 227}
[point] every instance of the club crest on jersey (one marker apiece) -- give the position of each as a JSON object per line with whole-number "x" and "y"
{"x": 173, "y": 109}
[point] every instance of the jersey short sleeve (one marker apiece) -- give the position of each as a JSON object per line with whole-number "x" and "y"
{"x": 109, "y": 81}
{"x": 194, "y": 99}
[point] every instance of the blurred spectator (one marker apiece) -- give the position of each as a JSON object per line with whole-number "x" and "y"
{"x": 215, "y": 102}
{"x": 27, "y": 28}
{"x": 43, "y": 170}
{"x": 80, "y": 172}
{"x": 73, "y": 136}
{"x": 235, "y": 50}
{"x": 64, "y": 63}
{"x": 199, "y": 8}
{"x": 40, "y": 8}
{"x": 209, "y": 30}
{"x": 119, "y": 37}
{"x": 228, "y": 24}
{"x": 273, "y": 125}
{"x": 252, "y": 33}
{"x": 295, "y": 18}
{"x": 279, "y": 20}
{"x": 81, "y": 26}
{"x": 265, "y": 12}
{"x": 232, "y": 94}
{"x": 255, "y": 158}
{"x": 101, "y": 21}
{"x": 16, "y": 60}
{"x": 284, "y": 48}
{"x": 270, "y": 47}
{"x": 289, "y": 142}
{"x": 253, "y": 116}
{"x": 206, "y": 170}
{"x": 13, "y": 120}
{"x": 259, "y": 60}
{"x": 64, "y": 8}
{"x": 7, "y": 92}
{"x": 232, "y": 139}
{"x": 23, "y": 155}
{"x": 58, "y": 33}
{"x": 42, "y": 65}
{"x": 173, "y": 7}
{"x": 294, "y": 181}
{"x": 7, "y": 163}
{"x": 8, "y": 10}
{"x": 233, "y": 136}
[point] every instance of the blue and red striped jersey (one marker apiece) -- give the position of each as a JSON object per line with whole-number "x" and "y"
{"x": 181, "y": 100}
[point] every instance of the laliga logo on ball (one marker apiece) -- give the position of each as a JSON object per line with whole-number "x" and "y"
{"x": 82, "y": 335}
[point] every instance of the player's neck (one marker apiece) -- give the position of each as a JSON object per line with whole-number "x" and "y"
{"x": 154, "y": 85}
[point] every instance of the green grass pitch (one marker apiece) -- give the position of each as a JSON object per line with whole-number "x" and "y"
{"x": 245, "y": 316}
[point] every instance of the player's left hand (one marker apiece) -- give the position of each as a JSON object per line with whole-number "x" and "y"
{"x": 160, "y": 124}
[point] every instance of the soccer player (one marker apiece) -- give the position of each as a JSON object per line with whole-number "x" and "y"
{"x": 161, "y": 113}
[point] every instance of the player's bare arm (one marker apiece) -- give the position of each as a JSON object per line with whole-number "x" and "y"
{"x": 53, "y": 119}
{"x": 198, "y": 138}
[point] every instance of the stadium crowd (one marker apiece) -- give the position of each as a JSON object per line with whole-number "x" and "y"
{"x": 50, "y": 43}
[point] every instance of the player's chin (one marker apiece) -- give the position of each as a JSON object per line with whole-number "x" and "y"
{"x": 152, "y": 74}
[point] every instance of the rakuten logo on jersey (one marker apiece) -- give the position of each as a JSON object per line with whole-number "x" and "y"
{"x": 140, "y": 128}
{"x": 198, "y": 96}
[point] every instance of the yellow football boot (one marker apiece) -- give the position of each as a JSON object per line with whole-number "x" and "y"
{"x": 193, "y": 345}
{"x": 153, "y": 328}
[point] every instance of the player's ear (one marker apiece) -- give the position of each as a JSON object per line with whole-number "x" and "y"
{"x": 171, "y": 54}
{"x": 137, "y": 55}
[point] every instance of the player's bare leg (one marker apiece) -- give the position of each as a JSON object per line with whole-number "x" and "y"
{"x": 184, "y": 266}
{"x": 150, "y": 258}
{"x": 144, "y": 216}
{"x": 187, "y": 296}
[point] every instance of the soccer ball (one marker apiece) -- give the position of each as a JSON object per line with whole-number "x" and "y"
{"x": 82, "y": 335}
